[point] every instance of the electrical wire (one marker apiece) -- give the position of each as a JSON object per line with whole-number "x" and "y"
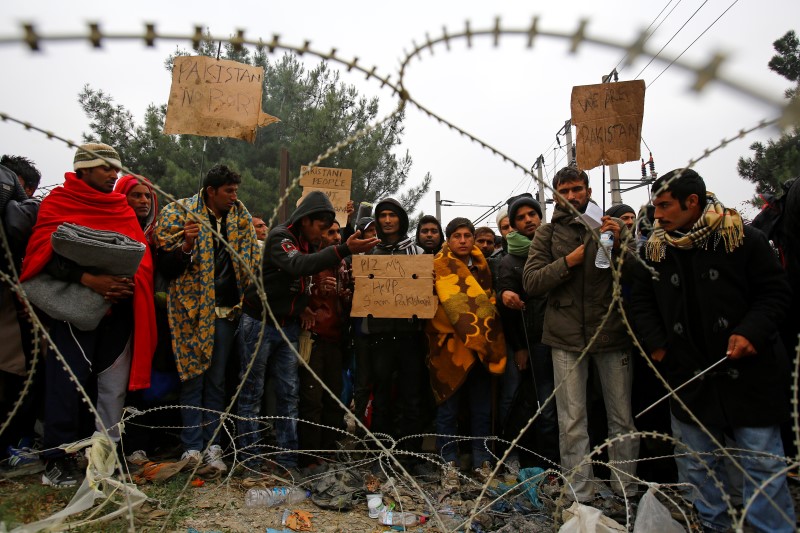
{"x": 648, "y": 29}
{"x": 670, "y": 39}
{"x": 690, "y": 44}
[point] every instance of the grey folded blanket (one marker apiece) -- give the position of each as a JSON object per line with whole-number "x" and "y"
{"x": 105, "y": 252}
{"x": 108, "y": 252}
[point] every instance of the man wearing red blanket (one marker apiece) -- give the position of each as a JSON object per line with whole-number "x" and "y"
{"x": 116, "y": 355}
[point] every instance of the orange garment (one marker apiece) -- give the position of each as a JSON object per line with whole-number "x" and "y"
{"x": 466, "y": 328}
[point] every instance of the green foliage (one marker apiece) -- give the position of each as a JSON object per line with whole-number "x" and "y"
{"x": 787, "y": 61}
{"x": 779, "y": 160}
{"x": 317, "y": 111}
{"x": 773, "y": 163}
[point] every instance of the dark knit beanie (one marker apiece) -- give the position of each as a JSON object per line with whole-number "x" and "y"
{"x": 458, "y": 222}
{"x": 617, "y": 211}
{"x": 516, "y": 202}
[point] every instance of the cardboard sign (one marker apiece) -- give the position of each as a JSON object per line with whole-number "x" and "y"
{"x": 608, "y": 121}
{"x": 394, "y": 286}
{"x": 334, "y": 182}
{"x": 215, "y": 98}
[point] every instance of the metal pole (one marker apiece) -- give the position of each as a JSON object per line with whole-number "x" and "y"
{"x": 541, "y": 193}
{"x": 568, "y": 132}
{"x": 616, "y": 195}
{"x": 439, "y": 206}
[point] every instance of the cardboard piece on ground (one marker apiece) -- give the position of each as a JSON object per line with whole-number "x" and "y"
{"x": 394, "y": 286}
{"x": 334, "y": 182}
{"x": 215, "y": 98}
{"x": 608, "y": 122}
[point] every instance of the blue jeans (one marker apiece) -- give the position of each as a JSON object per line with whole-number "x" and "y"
{"x": 710, "y": 506}
{"x": 207, "y": 391}
{"x": 275, "y": 356}
{"x": 479, "y": 389}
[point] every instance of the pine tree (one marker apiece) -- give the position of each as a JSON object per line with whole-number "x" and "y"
{"x": 778, "y": 160}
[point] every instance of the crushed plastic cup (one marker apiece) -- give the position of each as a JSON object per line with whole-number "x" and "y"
{"x": 375, "y": 505}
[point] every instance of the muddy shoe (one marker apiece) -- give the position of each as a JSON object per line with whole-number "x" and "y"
{"x": 139, "y": 457}
{"x": 213, "y": 458}
{"x": 450, "y": 481}
{"x": 483, "y": 472}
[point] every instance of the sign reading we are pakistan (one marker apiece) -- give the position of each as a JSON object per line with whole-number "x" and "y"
{"x": 215, "y": 98}
{"x": 608, "y": 122}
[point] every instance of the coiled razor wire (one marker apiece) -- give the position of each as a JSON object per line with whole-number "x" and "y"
{"x": 704, "y": 74}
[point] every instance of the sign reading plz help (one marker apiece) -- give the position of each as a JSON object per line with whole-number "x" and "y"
{"x": 216, "y": 98}
{"x": 394, "y": 286}
{"x": 336, "y": 183}
{"x": 608, "y": 122}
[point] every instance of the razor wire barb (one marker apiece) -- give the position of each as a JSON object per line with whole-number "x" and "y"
{"x": 703, "y": 75}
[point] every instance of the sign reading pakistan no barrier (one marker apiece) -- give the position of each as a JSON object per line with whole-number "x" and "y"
{"x": 336, "y": 183}
{"x": 608, "y": 121}
{"x": 394, "y": 286}
{"x": 216, "y": 98}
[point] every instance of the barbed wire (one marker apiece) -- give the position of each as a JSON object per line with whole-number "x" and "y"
{"x": 387, "y": 447}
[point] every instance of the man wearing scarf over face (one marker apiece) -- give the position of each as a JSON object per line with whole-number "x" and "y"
{"x": 114, "y": 356}
{"x": 720, "y": 295}
{"x": 466, "y": 345}
{"x": 523, "y": 321}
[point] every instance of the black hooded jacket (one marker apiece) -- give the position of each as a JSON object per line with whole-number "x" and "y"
{"x": 289, "y": 262}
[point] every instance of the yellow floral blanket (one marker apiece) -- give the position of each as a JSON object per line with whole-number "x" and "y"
{"x": 191, "y": 299}
{"x": 466, "y": 327}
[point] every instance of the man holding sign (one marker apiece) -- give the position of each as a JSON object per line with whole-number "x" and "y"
{"x": 289, "y": 261}
{"x": 397, "y": 345}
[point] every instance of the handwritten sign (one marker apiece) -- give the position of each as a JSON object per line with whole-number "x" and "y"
{"x": 216, "y": 98}
{"x": 608, "y": 121}
{"x": 334, "y": 182}
{"x": 394, "y": 286}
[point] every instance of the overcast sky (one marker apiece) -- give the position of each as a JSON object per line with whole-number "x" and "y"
{"x": 512, "y": 97}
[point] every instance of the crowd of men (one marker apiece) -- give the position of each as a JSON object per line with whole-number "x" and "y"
{"x": 528, "y": 326}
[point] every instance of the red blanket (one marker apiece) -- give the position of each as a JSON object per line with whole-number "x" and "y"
{"x": 78, "y": 203}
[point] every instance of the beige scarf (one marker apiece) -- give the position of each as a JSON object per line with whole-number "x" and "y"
{"x": 717, "y": 223}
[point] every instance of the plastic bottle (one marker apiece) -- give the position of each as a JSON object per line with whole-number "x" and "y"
{"x": 603, "y": 257}
{"x": 274, "y": 496}
{"x": 394, "y": 518}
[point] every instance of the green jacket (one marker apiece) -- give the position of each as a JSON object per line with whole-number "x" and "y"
{"x": 578, "y": 297}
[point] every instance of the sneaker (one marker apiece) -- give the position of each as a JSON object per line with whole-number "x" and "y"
{"x": 450, "y": 479}
{"x": 213, "y": 458}
{"x": 194, "y": 457}
{"x": 483, "y": 472}
{"x": 61, "y": 472}
{"x": 139, "y": 457}
{"x": 20, "y": 457}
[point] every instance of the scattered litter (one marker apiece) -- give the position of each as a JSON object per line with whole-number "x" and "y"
{"x": 653, "y": 517}
{"x": 297, "y": 520}
{"x": 586, "y": 519}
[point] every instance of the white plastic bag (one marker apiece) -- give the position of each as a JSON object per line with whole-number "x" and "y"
{"x": 587, "y": 519}
{"x": 653, "y": 517}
